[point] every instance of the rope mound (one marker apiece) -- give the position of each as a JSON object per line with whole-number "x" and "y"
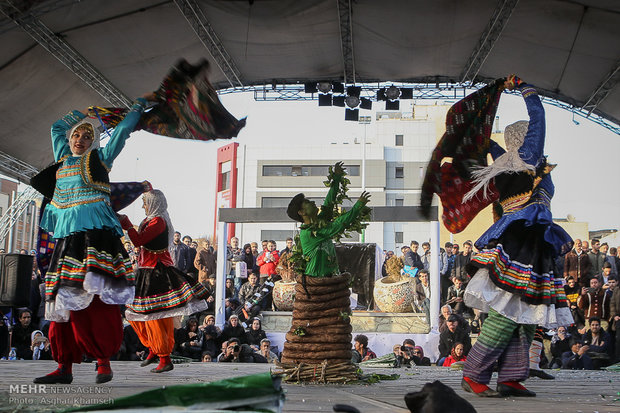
{"x": 321, "y": 373}
{"x": 318, "y": 345}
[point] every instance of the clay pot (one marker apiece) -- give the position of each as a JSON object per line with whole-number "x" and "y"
{"x": 394, "y": 297}
{"x": 284, "y": 295}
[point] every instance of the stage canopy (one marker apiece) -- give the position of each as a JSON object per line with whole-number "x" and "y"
{"x": 61, "y": 55}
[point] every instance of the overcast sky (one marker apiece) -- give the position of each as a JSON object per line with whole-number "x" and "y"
{"x": 585, "y": 178}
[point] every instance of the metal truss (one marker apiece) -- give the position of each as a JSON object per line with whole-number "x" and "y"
{"x": 346, "y": 40}
{"x": 603, "y": 89}
{"x": 12, "y": 214}
{"x": 487, "y": 40}
{"x": 201, "y": 26}
{"x": 39, "y": 9}
{"x": 67, "y": 55}
{"x": 18, "y": 169}
{"x": 583, "y": 113}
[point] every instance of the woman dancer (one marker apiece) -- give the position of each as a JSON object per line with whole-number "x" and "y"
{"x": 515, "y": 276}
{"x": 90, "y": 273}
{"x": 162, "y": 291}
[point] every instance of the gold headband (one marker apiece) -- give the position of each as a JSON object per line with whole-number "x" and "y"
{"x": 86, "y": 126}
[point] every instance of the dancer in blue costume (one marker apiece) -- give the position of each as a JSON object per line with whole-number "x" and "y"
{"x": 90, "y": 273}
{"x": 514, "y": 276}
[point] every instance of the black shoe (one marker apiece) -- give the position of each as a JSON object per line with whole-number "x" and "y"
{"x": 103, "y": 377}
{"x": 54, "y": 379}
{"x": 506, "y": 390}
{"x": 487, "y": 393}
{"x": 146, "y": 362}
{"x": 541, "y": 374}
{"x": 166, "y": 367}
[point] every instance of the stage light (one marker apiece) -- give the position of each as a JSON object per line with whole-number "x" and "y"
{"x": 325, "y": 87}
{"x": 392, "y": 104}
{"x": 354, "y": 91}
{"x": 325, "y": 99}
{"x": 338, "y": 101}
{"x": 310, "y": 87}
{"x": 352, "y": 101}
{"x": 406, "y": 93}
{"x": 392, "y": 93}
{"x": 352, "y": 114}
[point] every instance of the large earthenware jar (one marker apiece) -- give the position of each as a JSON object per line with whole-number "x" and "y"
{"x": 284, "y": 295}
{"x": 394, "y": 297}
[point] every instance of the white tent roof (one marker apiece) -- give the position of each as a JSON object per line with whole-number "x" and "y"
{"x": 569, "y": 49}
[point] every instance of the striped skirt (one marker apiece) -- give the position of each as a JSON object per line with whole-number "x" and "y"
{"x": 503, "y": 341}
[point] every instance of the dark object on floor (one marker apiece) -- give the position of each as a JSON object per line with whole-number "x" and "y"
{"x": 506, "y": 390}
{"x": 344, "y": 408}
{"x": 541, "y": 374}
{"x": 436, "y": 397}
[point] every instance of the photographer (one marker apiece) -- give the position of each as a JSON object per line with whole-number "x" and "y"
{"x": 40, "y": 346}
{"x": 241, "y": 353}
{"x": 594, "y": 303}
{"x": 410, "y": 355}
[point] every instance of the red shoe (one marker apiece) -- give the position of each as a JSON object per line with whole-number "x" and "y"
{"x": 104, "y": 372}
{"x": 150, "y": 359}
{"x": 62, "y": 375}
{"x": 165, "y": 364}
{"x": 478, "y": 389}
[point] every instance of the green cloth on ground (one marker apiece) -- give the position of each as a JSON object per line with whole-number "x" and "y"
{"x": 255, "y": 391}
{"x": 380, "y": 362}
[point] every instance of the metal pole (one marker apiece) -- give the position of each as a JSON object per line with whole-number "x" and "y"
{"x": 434, "y": 276}
{"x": 10, "y": 247}
{"x": 364, "y": 120}
{"x": 220, "y": 281}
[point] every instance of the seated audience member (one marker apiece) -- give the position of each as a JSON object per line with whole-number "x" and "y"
{"x": 418, "y": 352}
{"x": 22, "y": 333}
{"x": 223, "y": 348}
{"x": 40, "y": 346}
{"x": 599, "y": 344}
{"x": 456, "y": 355}
{"x": 190, "y": 340}
{"x": 231, "y": 292}
{"x": 240, "y": 353}
{"x": 576, "y": 358}
{"x": 361, "y": 352}
{"x": 405, "y": 356}
{"x": 265, "y": 351}
{"x": 209, "y": 340}
{"x": 232, "y": 329}
{"x": 572, "y": 291}
{"x": 614, "y": 312}
{"x": 132, "y": 348}
{"x": 209, "y": 320}
{"x": 255, "y": 333}
{"x": 206, "y": 358}
{"x": 560, "y": 344}
{"x": 455, "y": 297}
{"x": 247, "y": 293}
{"x": 449, "y": 337}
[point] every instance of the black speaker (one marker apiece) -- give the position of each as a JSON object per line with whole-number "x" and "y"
{"x": 15, "y": 276}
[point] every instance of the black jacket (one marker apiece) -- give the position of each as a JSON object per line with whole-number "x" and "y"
{"x": 447, "y": 339}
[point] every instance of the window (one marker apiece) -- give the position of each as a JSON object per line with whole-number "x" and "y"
{"x": 224, "y": 184}
{"x": 305, "y": 170}
{"x": 399, "y": 140}
{"x": 400, "y": 172}
{"x": 399, "y": 202}
{"x": 398, "y": 237}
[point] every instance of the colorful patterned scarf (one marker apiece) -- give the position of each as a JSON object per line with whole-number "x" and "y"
{"x": 188, "y": 107}
{"x": 467, "y": 139}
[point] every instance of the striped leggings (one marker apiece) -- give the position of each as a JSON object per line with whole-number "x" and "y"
{"x": 504, "y": 341}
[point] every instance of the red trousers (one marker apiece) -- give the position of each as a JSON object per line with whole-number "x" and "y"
{"x": 156, "y": 335}
{"x": 96, "y": 331}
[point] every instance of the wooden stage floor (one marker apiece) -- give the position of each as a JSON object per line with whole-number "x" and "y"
{"x": 571, "y": 391}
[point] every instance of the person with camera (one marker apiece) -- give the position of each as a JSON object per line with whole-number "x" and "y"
{"x": 241, "y": 353}
{"x": 577, "y": 358}
{"x": 599, "y": 344}
{"x": 40, "y": 346}
{"x": 595, "y": 303}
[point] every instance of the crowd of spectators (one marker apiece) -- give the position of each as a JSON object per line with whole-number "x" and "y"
{"x": 591, "y": 283}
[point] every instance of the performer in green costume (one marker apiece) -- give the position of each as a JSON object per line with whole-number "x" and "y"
{"x": 321, "y": 331}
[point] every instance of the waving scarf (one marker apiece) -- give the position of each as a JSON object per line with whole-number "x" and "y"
{"x": 467, "y": 140}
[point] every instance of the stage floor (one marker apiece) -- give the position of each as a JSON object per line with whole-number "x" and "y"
{"x": 571, "y": 391}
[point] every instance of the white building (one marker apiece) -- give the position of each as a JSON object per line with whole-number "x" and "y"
{"x": 394, "y": 167}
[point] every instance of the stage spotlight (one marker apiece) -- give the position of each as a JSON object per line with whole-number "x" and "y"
{"x": 406, "y": 93}
{"x": 325, "y": 99}
{"x": 338, "y": 87}
{"x": 352, "y": 101}
{"x": 338, "y": 101}
{"x": 325, "y": 87}
{"x": 392, "y": 93}
{"x": 365, "y": 103}
{"x": 352, "y": 114}
{"x": 310, "y": 87}
{"x": 392, "y": 105}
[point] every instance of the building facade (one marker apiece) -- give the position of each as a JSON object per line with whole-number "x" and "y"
{"x": 23, "y": 233}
